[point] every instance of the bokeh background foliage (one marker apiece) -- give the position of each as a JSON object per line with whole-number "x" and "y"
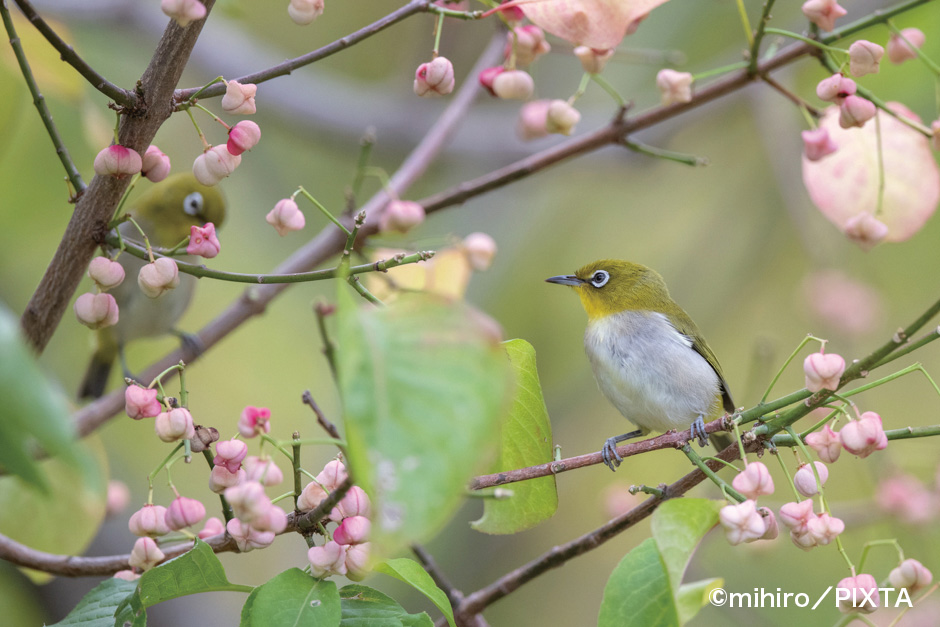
{"x": 736, "y": 241}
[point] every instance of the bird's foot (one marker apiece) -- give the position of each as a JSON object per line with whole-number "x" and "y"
{"x": 609, "y": 453}
{"x": 698, "y": 431}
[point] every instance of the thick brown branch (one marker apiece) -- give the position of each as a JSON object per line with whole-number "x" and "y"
{"x": 88, "y": 224}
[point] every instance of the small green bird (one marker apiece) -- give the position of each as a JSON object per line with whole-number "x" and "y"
{"x": 648, "y": 357}
{"x": 165, "y": 213}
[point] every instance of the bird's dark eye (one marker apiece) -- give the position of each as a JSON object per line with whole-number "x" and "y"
{"x": 600, "y": 278}
{"x": 192, "y": 204}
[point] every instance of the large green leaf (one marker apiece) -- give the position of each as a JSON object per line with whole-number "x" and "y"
{"x": 678, "y": 527}
{"x": 638, "y": 591}
{"x": 692, "y": 597}
{"x": 413, "y": 574}
{"x": 33, "y": 412}
{"x": 197, "y": 570}
{"x": 424, "y": 386}
{"x": 98, "y": 607}
{"x": 367, "y": 607}
{"x": 526, "y": 440}
{"x": 292, "y": 599}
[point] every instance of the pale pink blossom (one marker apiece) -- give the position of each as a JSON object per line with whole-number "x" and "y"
{"x": 246, "y": 537}
{"x": 329, "y": 559}
{"x": 529, "y": 43}
{"x": 141, "y": 402}
{"x": 771, "y": 522}
{"x": 264, "y": 471}
{"x": 312, "y": 495}
{"x": 184, "y": 512}
{"x": 561, "y": 117}
{"x": 754, "y": 481}
{"x": 145, "y": 554}
{"x": 599, "y": 24}
{"x": 155, "y": 165}
{"x": 213, "y": 527}
{"x": 203, "y": 241}
{"x": 824, "y": 528}
{"x": 248, "y": 500}
{"x": 357, "y": 561}
{"x": 220, "y": 478}
{"x": 865, "y": 230}
{"x": 532, "y": 120}
{"x": 173, "y": 425}
{"x": 435, "y": 78}
{"x": 855, "y": 111}
{"x": 254, "y": 421}
{"x": 488, "y": 75}
{"x": 902, "y": 48}
{"x": 857, "y": 594}
{"x": 835, "y": 88}
{"x": 401, "y": 216}
{"x": 117, "y": 161}
{"x": 864, "y": 57}
{"x": 243, "y": 136}
{"x": 742, "y": 522}
{"x": 183, "y": 12}
{"x": 864, "y": 436}
{"x": 823, "y": 13}
{"x": 817, "y": 144}
{"x": 118, "y": 497}
{"x": 823, "y": 371}
{"x": 480, "y": 250}
{"x": 333, "y": 474}
{"x": 826, "y": 443}
{"x": 272, "y": 519}
{"x": 593, "y": 61}
{"x": 158, "y": 277}
{"x": 910, "y": 574}
{"x": 805, "y": 478}
{"x": 303, "y": 12}
{"x": 907, "y": 499}
{"x": 127, "y": 575}
{"x": 230, "y": 453}
{"x": 215, "y": 164}
{"x": 286, "y": 217}
{"x": 845, "y": 303}
{"x": 96, "y": 311}
{"x": 354, "y": 503}
{"x": 805, "y": 540}
{"x": 149, "y": 520}
{"x": 239, "y": 99}
{"x": 796, "y": 516}
{"x": 513, "y": 85}
{"x": 105, "y": 273}
{"x": 355, "y": 530}
{"x": 674, "y": 87}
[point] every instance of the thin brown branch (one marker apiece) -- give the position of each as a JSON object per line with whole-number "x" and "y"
{"x": 89, "y": 222}
{"x": 123, "y": 97}
{"x": 328, "y": 426}
{"x": 285, "y": 68}
{"x": 789, "y": 95}
{"x": 667, "y": 440}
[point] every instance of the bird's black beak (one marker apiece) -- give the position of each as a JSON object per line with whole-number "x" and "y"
{"x": 565, "y": 279}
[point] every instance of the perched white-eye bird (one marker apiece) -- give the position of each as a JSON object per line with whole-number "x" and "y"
{"x": 165, "y": 213}
{"x": 648, "y": 357}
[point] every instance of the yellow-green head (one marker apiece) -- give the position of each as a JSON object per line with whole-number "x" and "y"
{"x": 169, "y": 208}
{"x": 610, "y": 286}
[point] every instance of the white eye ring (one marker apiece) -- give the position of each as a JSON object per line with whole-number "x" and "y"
{"x": 600, "y": 278}
{"x": 192, "y": 204}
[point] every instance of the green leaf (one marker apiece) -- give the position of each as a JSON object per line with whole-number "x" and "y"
{"x": 694, "y": 596}
{"x": 678, "y": 527}
{"x": 525, "y": 440}
{"x": 292, "y": 599}
{"x": 638, "y": 591}
{"x": 413, "y": 574}
{"x": 79, "y": 497}
{"x": 423, "y": 387}
{"x": 197, "y": 570}
{"x": 34, "y": 412}
{"x": 98, "y": 607}
{"x": 367, "y": 607}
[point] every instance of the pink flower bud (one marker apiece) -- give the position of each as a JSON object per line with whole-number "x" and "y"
{"x": 248, "y": 500}
{"x": 126, "y": 575}
{"x": 805, "y": 541}
{"x": 754, "y": 481}
{"x": 824, "y": 528}
{"x": 355, "y": 530}
{"x": 907, "y": 499}
{"x": 857, "y": 594}
{"x": 864, "y": 57}
{"x": 96, "y": 311}
{"x": 593, "y": 61}
{"x": 674, "y": 86}
{"x": 826, "y": 443}
{"x": 264, "y": 471}
{"x": 823, "y": 371}
{"x": 158, "y": 277}
{"x": 119, "y": 496}
{"x": 358, "y": 564}
{"x": 230, "y": 453}
{"x": 771, "y": 521}
{"x": 312, "y": 495}
{"x": 529, "y": 43}
{"x": 855, "y": 111}
{"x": 329, "y": 559}
{"x": 513, "y": 85}
{"x": 215, "y": 164}
{"x": 243, "y": 136}
{"x": 184, "y": 512}
{"x": 145, "y": 554}
{"x": 805, "y": 479}
{"x": 248, "y": 538}
{"x": 155, "y": 165}
{"x": 213, "y": 527}
{"x": 286, "y": 217}
{"x": 105, "y": 273}
{"x": 910, "y": 574}
{"x": 823, "y": 13}
{"x": 305, "y": 11}
{"x": 561, "y": 118}
{"x": 865, "y": 230}
{"x": 183, "y": 12}
{"x": 203, "y": 241}
{"x": 141, "y": 402}
{"x": 239, "y": 99}
{"x": 533, "y": 117}
{"x": 796, "y": 516}
{"x": 117, "y": 161}
{"x": 435, "y": 78}
{"x": 401, "y": 216}
{"x": 173, "y": 425}
{"x": 835, "y": 88}
{"x": 354, "y": 503}
{"x": 742, "y": 522}
{"x": 272, "y": 519}
{"x": 864, "y": 436}
{"x": 254, "y": 421}
{"x": 333, "y": 475}
{"x": 488, "y": 75}
{"x": 817, "y": 144}
{"x": 900, "y": 50}
{"x": 480, "y": 249}
{"x": 149, "y": 520}
{"x": 220, "y": 478}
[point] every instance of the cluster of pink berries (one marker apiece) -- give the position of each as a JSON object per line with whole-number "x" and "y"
{"x": 347, "y": 553}
{"x": 119, "y": 161}
{"x": 153, "y": 521}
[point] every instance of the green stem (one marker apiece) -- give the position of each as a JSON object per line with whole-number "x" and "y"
{"x": 610, "y": 89}
{"x": 746, "y": 23}
{"x": 582, "y": 87}
{"x": 906, "y": 433}
{"x": 227, "y": 512}
{"x": 361, "y": 289}
{"x": 720, "y": 70}
{"x": 192, "y": 99}
{"x": 721, "y": 483}
{"x": 266, "y": 438}
{"x": 661, "y": 153}
{"x": 156, "y": 380}
{"x": 920, "y": 53}
{"x": 437, "y": 33}
{"x": 909, "y": 348}
{"x": 807, "y": 40}
{"x": 869, "y": 545}
{"x": 162, "y": 465}
{"x": 323, "y": 210}
{"x": 754, "y": 56}
{"x": 777, "y": 376}
{"x": 365, "y": 152}
{"x": 202, "y": 136}
{"x": 295, "y": 465}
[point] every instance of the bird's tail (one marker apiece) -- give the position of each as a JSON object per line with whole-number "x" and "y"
{"x": 96, "y": 375}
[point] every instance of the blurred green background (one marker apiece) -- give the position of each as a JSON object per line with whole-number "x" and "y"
{"x": 736, "y": 241}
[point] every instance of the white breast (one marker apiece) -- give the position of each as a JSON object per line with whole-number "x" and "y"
{"x": 649, "y": 371}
